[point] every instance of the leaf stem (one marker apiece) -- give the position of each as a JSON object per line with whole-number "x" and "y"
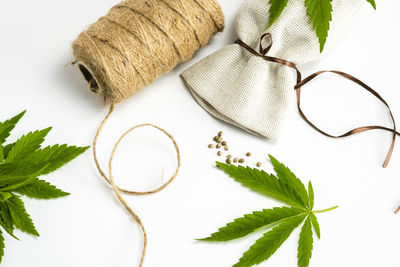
{"x": 326, "y": 210}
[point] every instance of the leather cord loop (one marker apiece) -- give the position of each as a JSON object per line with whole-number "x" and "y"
{"x": 301, "y": 82}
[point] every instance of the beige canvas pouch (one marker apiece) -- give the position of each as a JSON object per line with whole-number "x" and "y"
{"x": 249, "y": 92}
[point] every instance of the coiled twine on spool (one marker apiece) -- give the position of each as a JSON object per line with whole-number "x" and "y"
{"x": 130, "y": 47}
{"x": 140, "y": 40}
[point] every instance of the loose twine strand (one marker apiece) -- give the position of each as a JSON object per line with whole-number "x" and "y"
{"x": 117, "y": 190}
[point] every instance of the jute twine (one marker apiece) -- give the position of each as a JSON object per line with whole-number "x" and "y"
{"x": 140, "y": 40}
{"x": 130, "y": 47}
{"x": 118, "y": 190}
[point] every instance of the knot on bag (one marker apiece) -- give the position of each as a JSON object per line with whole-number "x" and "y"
{"x": 266, "y": 39}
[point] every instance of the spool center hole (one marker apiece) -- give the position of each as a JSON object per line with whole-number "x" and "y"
{"x": 93, "y": 85}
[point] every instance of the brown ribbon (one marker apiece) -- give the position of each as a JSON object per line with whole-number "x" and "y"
{"x": 263, "y": 54}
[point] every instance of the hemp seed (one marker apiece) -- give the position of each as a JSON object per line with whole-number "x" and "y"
{"x": 228, "y": 161}
{"x": 224, "y": 143}
{"x": 210, "y": 146}
{"x": 258, "y": 164}
{"x": 241, "y": 160}
{"x": 248, "y": 154}
{"x": 219, "y": 153}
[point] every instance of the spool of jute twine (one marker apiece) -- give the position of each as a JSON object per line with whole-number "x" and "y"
{"x": 130, "y": 47}
{"x": 140, "y": 40}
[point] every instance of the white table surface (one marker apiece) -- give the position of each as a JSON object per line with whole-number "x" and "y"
{"x": 89, "y": 228}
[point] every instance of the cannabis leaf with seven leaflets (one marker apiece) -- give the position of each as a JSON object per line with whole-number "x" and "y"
{"x": 285, "y": 187}
{"x": 319, "y": 11}
{"x": 21, "y": 163}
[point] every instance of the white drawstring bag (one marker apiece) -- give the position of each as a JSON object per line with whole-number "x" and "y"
{"x": 249, "y": 92}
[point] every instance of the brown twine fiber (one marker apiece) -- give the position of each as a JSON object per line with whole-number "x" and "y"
{"x": 118, "y": 190}
{"x": 130, "y": 47}
{"x": 140, "y": 40}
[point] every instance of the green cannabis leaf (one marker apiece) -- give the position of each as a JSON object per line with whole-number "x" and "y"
{"x": 285, "y": 187}
{"x": 372, "y": 2}
{"x": 319, "y": 11}
{"x": 21, "y": 163}
{"x": 277, "y": 6}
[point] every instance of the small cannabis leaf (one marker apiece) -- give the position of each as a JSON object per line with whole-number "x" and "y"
{"x": 372, "y": 2}
{"x": 285, "y": 187}
{"x": 319, "y": 11}
{"x": 277, "y": 6}
{"x": 21, "y": 163}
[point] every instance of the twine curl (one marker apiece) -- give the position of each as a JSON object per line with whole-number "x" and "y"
{"x": 117, "y": 190}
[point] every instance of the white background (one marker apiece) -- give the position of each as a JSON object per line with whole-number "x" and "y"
{"x": 89, "y": 228}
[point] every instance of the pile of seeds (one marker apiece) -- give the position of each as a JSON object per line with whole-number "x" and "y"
{"x": 222, "y": 144}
